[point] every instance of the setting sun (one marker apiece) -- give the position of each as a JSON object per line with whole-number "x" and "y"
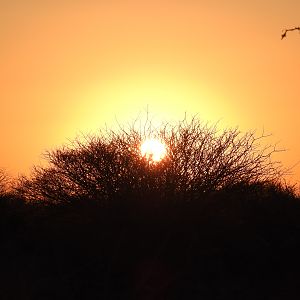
{"x": 153, "y": 149}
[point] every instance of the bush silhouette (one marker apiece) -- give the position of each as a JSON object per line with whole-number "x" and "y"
{"x": 108, "y": 167}
{"x": 211, "y": 220}
{"x": 3, "y": 183}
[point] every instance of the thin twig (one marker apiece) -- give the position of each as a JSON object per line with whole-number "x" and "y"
{"x": 290, "y": 29}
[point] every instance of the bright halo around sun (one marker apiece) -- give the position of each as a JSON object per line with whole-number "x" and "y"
{"x": 153, "y": 150}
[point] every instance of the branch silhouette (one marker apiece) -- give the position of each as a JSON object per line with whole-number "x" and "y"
{"x": 284, "y": 34}
{"x": 4, "y": 181}
{"x": 200, "y": 159}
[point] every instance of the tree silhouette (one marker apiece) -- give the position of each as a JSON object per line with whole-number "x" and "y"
{"x": 108, "y": 167}
{"x": 213, "y": 208}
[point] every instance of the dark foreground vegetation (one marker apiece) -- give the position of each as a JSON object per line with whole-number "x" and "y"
{"x": 213, "y": 220}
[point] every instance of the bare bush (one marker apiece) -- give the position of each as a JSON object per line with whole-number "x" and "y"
{"x": 4, "y": 181}
{"x": 207, "y": 160}
{"x": 200, "y": 159}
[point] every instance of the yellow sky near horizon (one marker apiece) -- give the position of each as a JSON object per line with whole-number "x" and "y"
{"x": 72, "y": 66}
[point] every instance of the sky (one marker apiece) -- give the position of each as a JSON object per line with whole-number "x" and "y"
{"x": 72, "y": 67}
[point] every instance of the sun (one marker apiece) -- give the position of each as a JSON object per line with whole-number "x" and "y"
{"x": 153, "y": 149}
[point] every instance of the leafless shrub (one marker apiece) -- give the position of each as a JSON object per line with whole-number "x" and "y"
{"x": 4, "y": 182}
{"x": 200, "y": 159}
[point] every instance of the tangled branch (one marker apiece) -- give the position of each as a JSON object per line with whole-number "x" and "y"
{"x": 4, "y": 182}
{"x": 200, "y": 159}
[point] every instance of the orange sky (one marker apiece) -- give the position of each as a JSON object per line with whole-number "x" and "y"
{"x": 71, "y": 66}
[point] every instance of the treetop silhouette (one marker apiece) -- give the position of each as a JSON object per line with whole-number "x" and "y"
{"x": 107, "y": 167}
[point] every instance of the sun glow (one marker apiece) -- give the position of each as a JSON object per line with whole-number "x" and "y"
{"x": 153, "y": 149}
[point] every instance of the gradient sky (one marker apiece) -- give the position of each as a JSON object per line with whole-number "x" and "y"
{"x": 71, "y": 66}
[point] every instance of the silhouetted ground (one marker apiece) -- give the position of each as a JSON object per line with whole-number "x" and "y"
{"x": 237, "y": 244}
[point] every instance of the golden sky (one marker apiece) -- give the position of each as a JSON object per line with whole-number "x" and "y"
{"x": 71, "y": 66}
